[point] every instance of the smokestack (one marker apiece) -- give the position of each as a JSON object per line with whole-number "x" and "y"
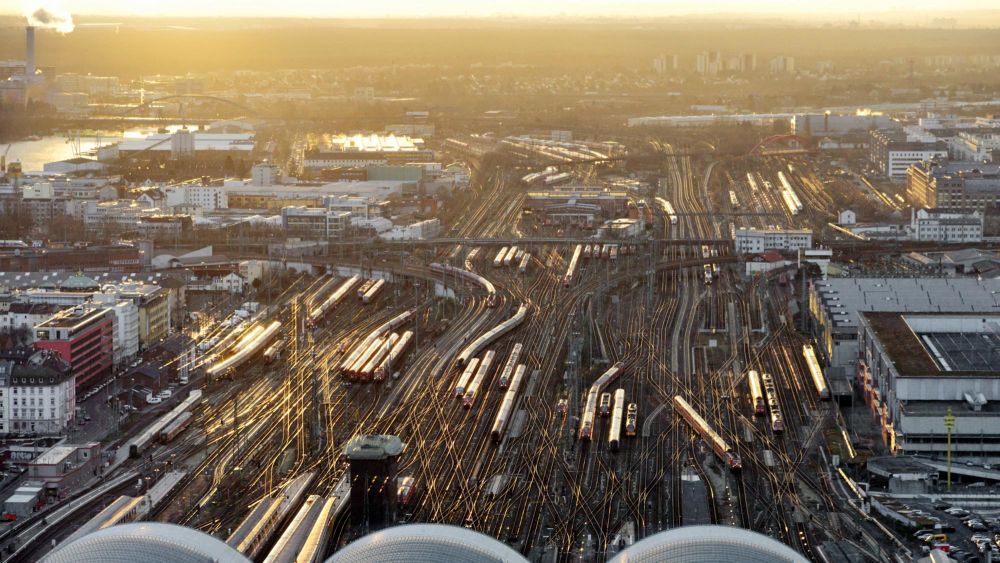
{"x": 29, "y": 51}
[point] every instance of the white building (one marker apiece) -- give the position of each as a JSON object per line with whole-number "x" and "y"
{"x": 755, "y": 241}
{"x": 847, "y": 217}
{"x": 316, "y": 223}
{"x": 265, "y": 174}
{"x": 125, "y": 326}
{"x": 24, "y": 317}
{"x": 946, "y": 225}
{"x": 973, "y": 146}
{"x": 206, "y": 198}
{"x": 39, "y": 395}
{"x": 782, "y": 64}
{"x": 119, "y": 215}
{"x": 229, "y": 283}
{"x": 416, "y": 231}
{"x": 900, "y": 159}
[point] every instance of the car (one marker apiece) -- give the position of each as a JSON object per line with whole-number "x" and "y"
{"x": 987, "y": 466}
{"x": 941, "y": 505}
{"x": 153, "y": 400}
{"x": 923, "y": 535}
{"x": 166, "y": 393}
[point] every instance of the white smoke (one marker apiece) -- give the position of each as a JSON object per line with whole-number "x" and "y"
{"x": 49, "y": 15}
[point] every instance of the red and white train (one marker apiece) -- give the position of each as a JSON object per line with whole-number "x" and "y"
{"x": 707, "y": 433}
{"x": 773, "y": 405}
{"x": 508, "y": 369}
{"x": 316, "y": 314}
{"x": 571, "y": 268}
{"x": 472, "y": 390}
{"x": 756, "y": 394}
{"x": 507, "y": 405}
{"x": 617, "y": 413}
{"x": 590, "y": 406}
{"x": 816, "y": 372}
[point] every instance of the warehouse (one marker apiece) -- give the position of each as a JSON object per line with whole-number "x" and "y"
{"x": 917, "y": 368}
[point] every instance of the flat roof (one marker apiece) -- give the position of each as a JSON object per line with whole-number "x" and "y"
{"x": 55, "y": 455}
{"x": 931, "y": 353}
{"x": 374, "y": 447}
{"x": 844, "y": 298}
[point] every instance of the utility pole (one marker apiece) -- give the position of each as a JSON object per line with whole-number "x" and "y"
{"x": 949, "y": 425}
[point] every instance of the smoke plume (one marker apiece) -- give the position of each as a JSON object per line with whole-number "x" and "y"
{"x": 49, "y": 16}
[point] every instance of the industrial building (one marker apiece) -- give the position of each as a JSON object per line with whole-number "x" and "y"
{"x": 365, "y": 150}
{"x": 967, "y": 186}
{"x": 749, "y": 240}
{"x": 832, "y": 125}
{"x": 183, "y": 144}
{"x": 580, "y": 205}
{"x": 836, "y": 303}
{"x": 891, "y": 154}
{"x": 917, "y": 368}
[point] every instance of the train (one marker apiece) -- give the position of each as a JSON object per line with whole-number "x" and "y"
{"x": 316, "y": 314}
{"x": 788, "y": 195}
{"x": 522, "y": 268}
{"x": 773, "y": 405}
{"x": 176, "y": 427}
{"x": 406, "y": 488}
{"x": 617, "y": 412}
{"x": 632, "y": 420}
{"x": 734, "y": 202}
{"x": 571, "y": 268}
{"x": 509, "y": 258}
{"x": 274, "y": 350}
{"x": 508, "y": 368}
{"x": 372, "y": 291}
{"x": 613, "y": 252}
{"x": 363, "y": 288}
{"x": 707, "y": 433}
{"x": 472, "y": 390}
{"x": 390, "y": 360}
{"x": 752, "y": 182}
{"x": 245, "y": 348}
{"x": 375, "y": 360}
{"x": 667, "y": 209}
{"x": 498, "y": 260}
{"x": 816, "y": 372}
{"x": 590, "y": 406}
{"x": 604, "y": 405}
{"x": 756, "y": 394}
{"x": 463, "y": 380}
{"x": 507, "y": 405}
{"x": 491, "y": 291}
{"x": 136, "y": 446}
{"x": 353, "y": 364}
{"x": 256, "y": 530}
{"x": 498, "y": 331}
{"x": 707, "y": 275}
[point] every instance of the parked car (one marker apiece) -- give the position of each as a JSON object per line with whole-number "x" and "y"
{"x": 153, "y": 400}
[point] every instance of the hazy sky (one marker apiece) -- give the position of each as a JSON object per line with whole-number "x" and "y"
{"x": 380, "y": 8}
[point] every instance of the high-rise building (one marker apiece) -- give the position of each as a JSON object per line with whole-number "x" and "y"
{"x": 372, "y": 461}
{"x": 782, "y": 64}
{"x": 708, "y": 63}
{"x": 665, "y": 64}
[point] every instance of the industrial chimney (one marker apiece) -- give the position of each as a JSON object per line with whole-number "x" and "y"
{"x": 29, "y": 52}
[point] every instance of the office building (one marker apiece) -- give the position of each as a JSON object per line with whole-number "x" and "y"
{"x": 84, "y": 337}
{"x": 782, "y": 65}
{"x": 315, "y": 223}
{"x": 946, "y": 225}
{"x": 891, "y": 156}
{"x": 964, "y": 186}
{"x": 665, "y": 64}
{"x": 755, "y": 241}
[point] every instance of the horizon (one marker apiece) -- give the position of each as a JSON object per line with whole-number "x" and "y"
{"x": 452, "y": 9}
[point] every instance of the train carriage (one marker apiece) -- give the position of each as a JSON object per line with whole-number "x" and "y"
{"x": 707, "y": 433}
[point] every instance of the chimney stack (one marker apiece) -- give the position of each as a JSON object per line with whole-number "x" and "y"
{"x": 29, "y": 52}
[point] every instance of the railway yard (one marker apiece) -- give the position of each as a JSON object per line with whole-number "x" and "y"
{"x": 568, "y": 398}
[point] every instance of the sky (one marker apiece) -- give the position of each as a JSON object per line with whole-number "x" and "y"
{"x": 410, "y": 8}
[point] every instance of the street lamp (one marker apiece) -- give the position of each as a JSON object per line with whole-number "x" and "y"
{"x": 949, "y": 424}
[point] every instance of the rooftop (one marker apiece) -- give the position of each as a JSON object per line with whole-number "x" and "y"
{"x": 369, "y": 143}
{"x": 378, "y": 446}
{"x": 939, "y": 344}
{"x": 844, "y": 298}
